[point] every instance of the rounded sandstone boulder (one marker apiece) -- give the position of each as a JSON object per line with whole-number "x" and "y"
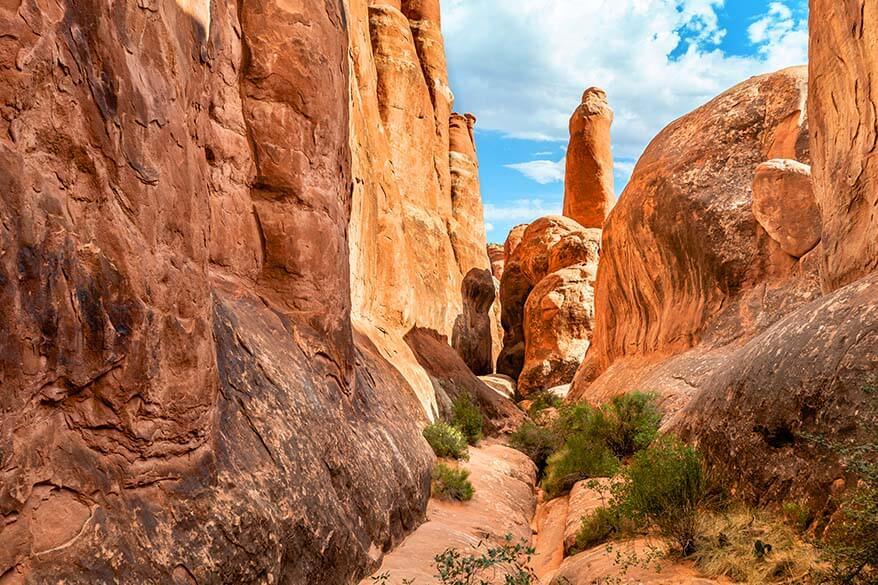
{"x": 784, "y": 204}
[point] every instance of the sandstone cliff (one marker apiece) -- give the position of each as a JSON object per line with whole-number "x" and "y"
{"x": 185, "y": 397}
{"x": 417, "y": 228}
{"x": 842, "y": 62}
{"x": 708, "y": 292}
{"x": 690, "y": 265}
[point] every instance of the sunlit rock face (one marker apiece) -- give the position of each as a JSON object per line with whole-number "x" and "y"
{"x": 547, "y": 302}
{"x": 588, "y": 180}
{"x": 417, "y": 228}
{"x": 708, "y": 293}
{"x": 184, "y": 397}
{"x": 784, "y": 205}
{"x": 684, "y": 260}
{"x": 844, "y": 37}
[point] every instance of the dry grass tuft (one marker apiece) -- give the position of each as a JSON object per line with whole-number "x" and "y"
{"x": 756, "y": 547}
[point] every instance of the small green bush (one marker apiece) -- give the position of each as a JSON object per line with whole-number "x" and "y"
{"x": 536, "y": 442}
{"x": 574, "y": 419}
{"x": 798, "y": 515}
{"x": 508, "y": 560}
{"x": 628, "y": 423}
{"x": 597, "y": 528}
{"x": 665, "y": 485}
{"x": 580, "y": 458}
{"x": 450, "y": 483}
{"x": 543, "y": 400}
{"x": 466, "y": 416}
{"x": 446, "y": 441}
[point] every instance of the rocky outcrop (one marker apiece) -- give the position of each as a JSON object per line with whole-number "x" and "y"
{"x": 497, "y": 256}
{"x": 467, "y": 229}
{"x": 451, "y": 378}
{"x": 503, "y": 504}
{"x": 546, "y": 303}
{"x": 843, "y": 136}
{"x": 558, "y": 322}
{"x": 472, "y": 337}
{"x": 185, "y": 388}
{"x": 179, "y": 371}
{"x": 689, "y": 264}
{"x": 588, "y": 181}
{"x": 784, "y": 205}
{"x": 808, "y": 375}
{"x": 416, "y": 227}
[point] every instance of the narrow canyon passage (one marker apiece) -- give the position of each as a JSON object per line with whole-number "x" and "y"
{"x": 508, "y": 503}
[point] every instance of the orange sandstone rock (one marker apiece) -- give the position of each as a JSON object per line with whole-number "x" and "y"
{"x": 546, "y": 301}
{"x": 844, "y": 127}
{"x": 687, "y": 263}
{"x": 783, "y": 204}
{"x": 588, "y": 181}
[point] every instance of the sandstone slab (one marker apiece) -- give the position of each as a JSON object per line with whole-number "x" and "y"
{"x": 784, "y": 204}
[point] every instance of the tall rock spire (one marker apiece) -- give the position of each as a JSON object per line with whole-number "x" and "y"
{"x": 588, "y": 184}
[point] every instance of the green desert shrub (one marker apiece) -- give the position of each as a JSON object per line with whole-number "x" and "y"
{"x": 543, "y": 400}
{"x": 665, "y": 485}
{"x": 592, "y": 440}
{"x": 466, "y": 416}
{"x": 535, "y": 441}
{"x": 580, "y": 458}
{"x": 509, "y": 561}
{"x": 798, "y": 515}
{"x": 452, "y": 483}
{"x": 628, "y": 423}
{"x": 446, "y": 441}
{"x": 597, "y": 528}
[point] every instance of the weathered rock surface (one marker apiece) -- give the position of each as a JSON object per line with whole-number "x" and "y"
{"x": 558, "y": 323}
{"x": 784, "y": 205}
{"x": 185, "y": 398}
{"x": 503, "y": 504}
{"x": 688, "y": 263}
{"x": 497, "y": 256}
{"x": 557, "y": 521}
{"x": 588, "y": 181}
{"x": 416, "y": 229}
{"x": 547, "y": 303}
{"x": 597, "y": 566}
{"x": 467, "y": 229}
{"x": 807, "y": 374}
{"x": 178, "y": 371}
{"x": 844, "y": 83}
{"x": 450, "y": 378}
{"x": 472, "y": 337}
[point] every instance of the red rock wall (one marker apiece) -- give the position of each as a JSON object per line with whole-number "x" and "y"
{"x": 182, "y": 396}
{"x": 683, "y": 259}
{"x": 843, "y": 62}
{"x": 417, "y": 227}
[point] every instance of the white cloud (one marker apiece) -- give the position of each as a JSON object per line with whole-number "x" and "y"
{"x": 521, "y": 210}
{"x": 489, "y": 227}
{"x": 522, "y": 65}
{"x": 541, "y": 171}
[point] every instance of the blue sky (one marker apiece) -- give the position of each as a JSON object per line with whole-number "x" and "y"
{"x": 521, "y": 65}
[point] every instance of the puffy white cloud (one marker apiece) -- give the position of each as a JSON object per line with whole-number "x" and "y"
{"x": 541, "y": 171}
{"x": 521, "y": 210}
{"x": 489, "y": 227}
{"x": 521, "y": 65}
